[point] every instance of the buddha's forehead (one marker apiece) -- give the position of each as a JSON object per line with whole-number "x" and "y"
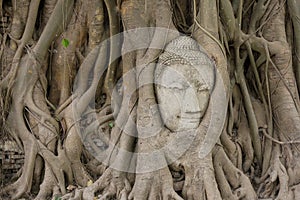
{"x": 179, "y": 73}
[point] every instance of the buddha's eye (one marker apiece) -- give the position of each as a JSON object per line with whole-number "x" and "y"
{"x": 179, "y": 85}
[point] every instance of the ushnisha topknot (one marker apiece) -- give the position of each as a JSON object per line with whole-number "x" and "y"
{"x": 183, "y": 42}
{"x": 186, "y": 51}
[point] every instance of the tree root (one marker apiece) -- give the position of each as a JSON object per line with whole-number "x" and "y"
{"x": 276, "y": 174}
{"x": 244, "y": 140}
{"x": 233, "y": 184}
{"x": 23, "y": 184}
{"x": 118, "y": 186}
{"x": 154, "y": 185}
{"x": 112, "y": 184}
{"x": 48, "y": 185}
{"x": 200, "y": 180}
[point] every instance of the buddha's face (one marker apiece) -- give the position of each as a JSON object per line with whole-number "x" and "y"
{"x": 182, "y": 96}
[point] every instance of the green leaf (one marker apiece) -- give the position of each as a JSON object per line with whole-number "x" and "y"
{"x": 111, "y": 124}
{"x": 57, "y": 198}
{"x": 65, "y": 42}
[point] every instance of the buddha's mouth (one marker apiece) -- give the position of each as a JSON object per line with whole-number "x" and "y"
{"x": 191, "y": 115}
{"x": 190, "y": 119}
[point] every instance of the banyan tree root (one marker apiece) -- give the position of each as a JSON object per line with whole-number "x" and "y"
{"x": 23, "y": 184}
{"x": 112, "y": 183}
{"x": 154, "y": 185}
{"x": 275, "y": 183}
{"x": 232, "y": 182}
{"x": 200, "y": 180}
{"x": 116, "y": 184}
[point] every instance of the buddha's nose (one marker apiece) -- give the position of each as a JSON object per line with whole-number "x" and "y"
{"x": 190, "y": 101}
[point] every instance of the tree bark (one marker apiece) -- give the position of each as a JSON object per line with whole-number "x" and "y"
{"x": 78, "y": 97}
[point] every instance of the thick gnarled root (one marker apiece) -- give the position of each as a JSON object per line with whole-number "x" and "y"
{"x": 154, "y": 185}
{"x": 118, "y": 186}
{"x": 232, "y": 182}
{"x": 111, "y": 184}
{"x": 199, "y": 180}
{"x": 17, "y": 189}
{"x": 24, "y": 183}
{"x": 275, "y": 182}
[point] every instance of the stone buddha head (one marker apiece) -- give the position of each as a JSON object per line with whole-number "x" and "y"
{"x": 184, "y": 78}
